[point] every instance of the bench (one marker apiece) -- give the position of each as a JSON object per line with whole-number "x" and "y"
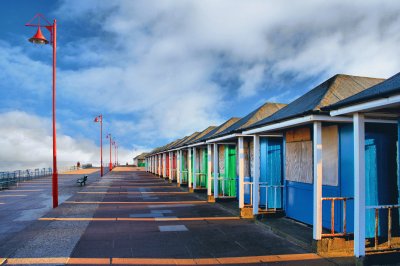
{"x": 82, "y": 180}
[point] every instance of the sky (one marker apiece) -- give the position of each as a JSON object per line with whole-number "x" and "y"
{"x": 159, "y": 70}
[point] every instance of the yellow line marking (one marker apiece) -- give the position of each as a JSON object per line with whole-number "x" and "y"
{"x": 169, "y": 261}
{"x": 137, "y": 202}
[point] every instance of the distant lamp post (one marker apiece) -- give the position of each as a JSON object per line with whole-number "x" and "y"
{"x": 115, "y": 152}
{"x": 99, "y": 119}
{"x": 39, "y": 38}
{"x": 109, "y": 137}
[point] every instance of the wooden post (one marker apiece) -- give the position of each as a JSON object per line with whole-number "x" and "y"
{"x": 317, "y": 200}
{"x": 189, "y": 151}
{"x": 209, "y": 171}
{"x": 256, "y": 174}
{"x": 164, "y": 164}
{"x": 241, "y": 172}
{"x": 216, "y": 168}
{"x": 194, "y": 176}
{"x": 170, "y": 158}
{"x": 359, "y": 184}
{"x": 178, "y": 167}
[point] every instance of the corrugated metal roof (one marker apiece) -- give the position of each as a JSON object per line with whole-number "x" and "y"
{"x": 260, "y": 113}
{"x": 333, "y": 90}
{"x": 384, "y": 89}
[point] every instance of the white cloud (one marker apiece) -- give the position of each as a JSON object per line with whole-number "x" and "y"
{"x": 27, "y": 143}
{"x": 175, "y": 65}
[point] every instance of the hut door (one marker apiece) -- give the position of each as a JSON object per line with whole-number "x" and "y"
{"x": 230, "y": 171}
{"x": 381, "y": 186}
{"x": 271, "y": 172}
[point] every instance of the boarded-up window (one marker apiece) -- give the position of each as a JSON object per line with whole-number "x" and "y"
{"x": 199, "y": 160}
{"x": 299, "y": 161}
{"x": 330, "y": 155}
{"x": 221, "y": 159}
{"x": 247, "y": 158}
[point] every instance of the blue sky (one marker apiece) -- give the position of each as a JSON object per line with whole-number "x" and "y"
{"x": 159, "y": 70}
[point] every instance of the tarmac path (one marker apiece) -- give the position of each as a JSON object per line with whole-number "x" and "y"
{"x": 131, "y": 217}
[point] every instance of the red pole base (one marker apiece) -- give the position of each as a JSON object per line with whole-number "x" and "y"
{"x": 111, "y": 166}
{"x": 55, "y": 190}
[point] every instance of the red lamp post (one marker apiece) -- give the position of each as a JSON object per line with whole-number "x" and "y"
{"x": 115, "y": 152}
{"x": 109, "y": 137}
{"x": 38, "y": 38}
{"x": 99, "y": 119}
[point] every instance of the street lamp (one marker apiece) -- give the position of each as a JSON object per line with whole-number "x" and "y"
{"x": 109, "y": 137}
{"x": 99, "y": 119}
{"x": 115, "y": 152}
{"x": 38, "y": 38}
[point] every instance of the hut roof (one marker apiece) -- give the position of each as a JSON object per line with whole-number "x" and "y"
{"x": 384, "y": 89}
{"x": 218, "y": 129}
{"x": 260, "y": 113}
{"x": 141, "y": 156}
{"x": 333, "y": 90}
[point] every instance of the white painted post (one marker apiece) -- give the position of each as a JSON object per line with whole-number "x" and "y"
{"x": 359, "y": 184}
{"x": 178, "y": 167}
{"x": 170, "y": 165}
{"x": 189, "y": 151}
{"x": 317, "y": 199}
{"x": 159, "y": 164}
{"x": 209, "y": 166}
{"x": 164, "y": 164}
{"x": 216, "y": 168}
{"x": 241, "y": 172}
{"x": 256, "y": 174}
{"x": 194, "y": 168}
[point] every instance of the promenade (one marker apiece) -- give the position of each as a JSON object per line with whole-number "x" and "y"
{"x": 130, "y": 217}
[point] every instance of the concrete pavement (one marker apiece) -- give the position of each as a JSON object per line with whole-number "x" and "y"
{"x": 131, "y": 217}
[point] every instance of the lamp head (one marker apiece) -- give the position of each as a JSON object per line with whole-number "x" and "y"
{"x": 38, "y": 38}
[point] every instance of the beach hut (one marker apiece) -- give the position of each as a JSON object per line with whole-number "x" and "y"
{"x": 373, "y": 170}
{"x": 140, "y": 160}
{"x": 312, "y": 139}
{"x": 232, "y": 142}
{"x": 207, "y": 156}
{"x": 199, "y": 161}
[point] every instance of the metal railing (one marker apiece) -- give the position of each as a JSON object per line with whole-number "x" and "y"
{"x": 249, "y": 183}
{"x": 184, "y": 176}
{"x": 221, "y": 181}
{"x": 332, "y": 200}
{"x": 10, "y": 178}
{"x": 389, "y": 233}
{"x": 200, "y": 178}
{"x": 267, "y": 187}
